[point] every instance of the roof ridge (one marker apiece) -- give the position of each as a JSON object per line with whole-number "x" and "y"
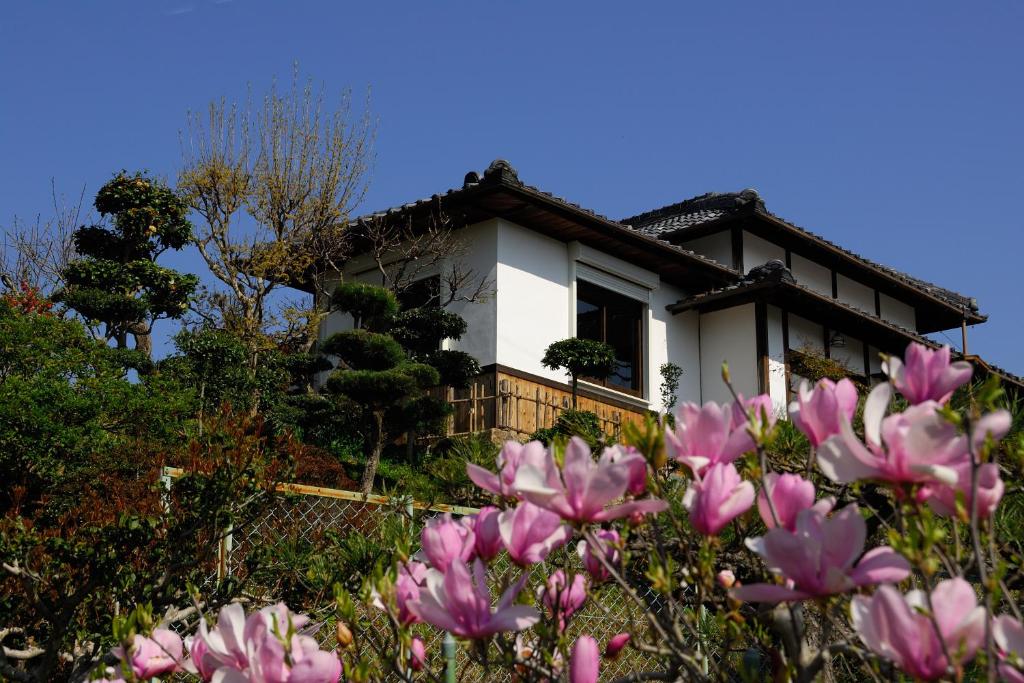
{"x": 704, "y": 202}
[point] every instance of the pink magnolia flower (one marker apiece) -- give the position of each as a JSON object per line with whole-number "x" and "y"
{"x": 990, "y": 491}
{"x": 459, "y": 601}
{"x": 512, "y": 455}
{"x": 443, "y": 540}
{"x": 411, "y": 576}
{"x": 156, "y": 655}
{"x": 789, "y": 494}
{"x": 616, "y": 644}
{"x": 706, "y": 435}
{"x": 417, "y": 654}
{"x": 530, "y": 533}
{"x": 1009, "y": 636}
{"x": 817, "y": 558}
{"x": 561, "y": 600}
{"x": 920, "y": 446}
{"x": 266, "y": 647}
{"x": 717, "y": 498}
{"x": 819, "y": 413}
{"x": 585, "y": 661}
{"x": 486, "y": 529}
{"x": 637, "y": 467}
{"x": 927, "y": 375}
{"x": 756, "y": 410}
{"x": 608, "y": 540}
{"x": 898, "y": 627}
{"x": 580, "y": 490}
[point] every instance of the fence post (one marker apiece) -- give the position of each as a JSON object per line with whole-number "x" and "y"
{"x": 449, "y": 656}
{"x": 224, "y": 554}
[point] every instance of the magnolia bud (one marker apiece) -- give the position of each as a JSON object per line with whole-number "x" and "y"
{"x": 344, "y": 634}
{"x": 726, "y": 579}
{"x": 615, "y": 645}
{"x": 417, "y": 654}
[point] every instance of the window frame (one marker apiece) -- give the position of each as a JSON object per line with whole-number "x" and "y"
{"x": 640, "y": 347}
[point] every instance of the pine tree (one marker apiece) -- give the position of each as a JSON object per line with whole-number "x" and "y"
{"x": 118, "y": 283}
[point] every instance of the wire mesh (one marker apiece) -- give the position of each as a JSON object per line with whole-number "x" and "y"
{"x": 308, "y": 513}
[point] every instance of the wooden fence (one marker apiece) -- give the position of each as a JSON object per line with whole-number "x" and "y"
{"x": 519, "y": 406}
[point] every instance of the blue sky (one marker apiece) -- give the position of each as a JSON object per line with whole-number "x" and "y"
{"x": 893, "y": 129}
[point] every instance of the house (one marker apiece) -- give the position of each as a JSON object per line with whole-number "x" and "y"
{"x": 711, "y": 279}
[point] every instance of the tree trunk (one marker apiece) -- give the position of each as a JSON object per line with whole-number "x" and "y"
{"x": 366, "y": 484}
{"x": 574, "y": 385}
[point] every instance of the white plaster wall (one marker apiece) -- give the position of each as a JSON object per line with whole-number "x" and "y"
{"x": 728, "y": 336}
{"x": 757, "y": 251}
{"x": 676, "y": 339}
{"x": 717, "y": 246}
{"x": 338, "y": 321}
{"x": 803, "y": 334}
{"x": 481, "y": 255}
{"x": 776, "y": 361}
{"x": 851, "y": 355}
{"x": 897, "y": 312}
{"x": 874, "y": 361}
{"x": 811, "y": 275}
{"x": 532, "y": 298}
{"x": 856, "y": 294}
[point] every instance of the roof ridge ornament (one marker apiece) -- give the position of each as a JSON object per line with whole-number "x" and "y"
{"x": 500, "y": 169}
{"x": 772, "y": 271}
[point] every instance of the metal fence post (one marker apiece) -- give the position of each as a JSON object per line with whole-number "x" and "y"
{"x": 449, "y": 655}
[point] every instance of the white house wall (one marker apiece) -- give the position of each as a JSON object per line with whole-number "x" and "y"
{"x": 777, "y": 388}
{"x": 532, "y": 298}
{"x": 811, "y": 275}
{"x": 481, "y": 256}
{"x": 805, "y": 335}
{"x": 717, "y": 246}
{"x": 851, "y": 355}
{"x": 855, "y": 294}
{"x": 728, "y": 336}
{"x": 758, "y": 251}
{"x": 897, "y": 312}
{"x": 674, "y": 339}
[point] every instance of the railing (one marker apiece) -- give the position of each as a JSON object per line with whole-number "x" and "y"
{"x": 308, "y": 512}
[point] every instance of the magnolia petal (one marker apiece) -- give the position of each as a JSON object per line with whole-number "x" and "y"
{"x": 485, "y": 479}
{"x": 766, "y": 592}
{"x": 646, "y": 506}
{"x": 880, "y": 565}
{"x": 874, "y": 411}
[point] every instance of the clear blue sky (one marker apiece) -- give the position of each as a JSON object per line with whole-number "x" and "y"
{"x": 893, "y": 129}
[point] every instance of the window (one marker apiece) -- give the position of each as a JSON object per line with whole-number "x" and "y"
{"x": 422, "y": 293}
{"x": 617, "y": 320}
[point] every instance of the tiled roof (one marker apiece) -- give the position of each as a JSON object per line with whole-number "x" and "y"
{"x": 675, "y": 219}
{"x": 503, "y": 172}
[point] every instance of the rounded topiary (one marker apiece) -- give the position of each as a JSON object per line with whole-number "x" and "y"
{"x": 363, "y": 350}
{"x": 372, "y": 387}
{"x": 456, "y": 368}
{"x": 578, "y": 357}
{"x": 421, "y": 330}
{"x": 367, "y": 304}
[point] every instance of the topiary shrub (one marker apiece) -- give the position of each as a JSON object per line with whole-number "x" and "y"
{"x": 578, "y": 357}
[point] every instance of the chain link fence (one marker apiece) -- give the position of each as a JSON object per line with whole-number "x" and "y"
{"x": 310, "y": 512}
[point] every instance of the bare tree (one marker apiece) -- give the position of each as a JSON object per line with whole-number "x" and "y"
{"x": 274, "y": 185}
{"x": 35, "y": 254}
{"x": 409, "y": 249}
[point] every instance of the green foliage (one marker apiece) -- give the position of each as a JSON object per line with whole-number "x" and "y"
{"x": 440, "y": 474}
{"x": 814, "y": 367}
{"x": 578, "y": 357}
{"x": 421, "y": 330}
{"x": 363, "y": 350}
{"x": 456, "y": 368}
{"x": 581, "y": 423}
{"x": 369, "y": 305}
{"x": 118, "y": 282}
{"x": 81, "y": 447}
{"x": 670, "y": 374}
{"x": 65, "y": 400}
